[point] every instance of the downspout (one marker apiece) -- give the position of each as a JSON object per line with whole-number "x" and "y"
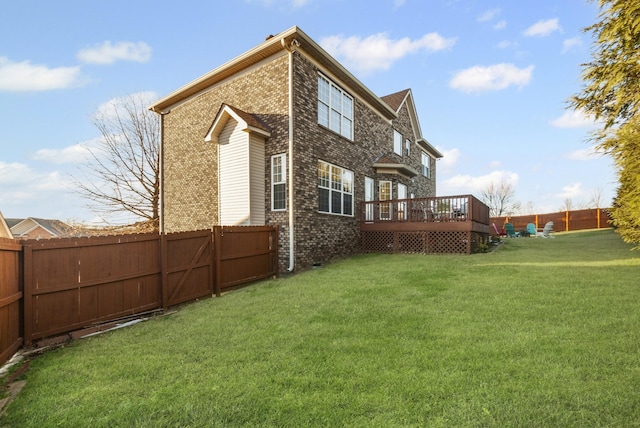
{"x": 290, "y": 48}
{"x": 161, "y": 177}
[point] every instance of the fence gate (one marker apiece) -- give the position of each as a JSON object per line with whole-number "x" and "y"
{"x": 187, "y": 266}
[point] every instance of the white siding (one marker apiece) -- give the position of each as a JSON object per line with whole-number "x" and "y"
{"x": 257, "y": 180}
{"x": 234, "y": 175}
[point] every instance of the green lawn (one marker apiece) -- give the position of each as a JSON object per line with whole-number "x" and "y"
{"x": 540, "y": 333}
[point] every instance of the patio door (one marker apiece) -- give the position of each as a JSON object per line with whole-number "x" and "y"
{"x": 369, "y": 188}
{"x": 402, "y": 206}
{"x": 385, "y": 195}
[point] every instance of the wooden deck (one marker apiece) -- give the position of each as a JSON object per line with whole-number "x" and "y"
{"x": 444, "y": 224}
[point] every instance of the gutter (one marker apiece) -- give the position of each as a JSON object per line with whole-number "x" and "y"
{"x": 290, "y": 48}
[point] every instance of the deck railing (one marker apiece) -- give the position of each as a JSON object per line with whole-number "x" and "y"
{"x": 460, "y": 208}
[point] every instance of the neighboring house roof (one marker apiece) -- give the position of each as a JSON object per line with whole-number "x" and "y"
{"x": 273, "y": 45}
{"x": 5, "y": 231}
{"x": 22, "y": 227}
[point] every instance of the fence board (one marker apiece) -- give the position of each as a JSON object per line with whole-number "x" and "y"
{"x": 10, "y": 299}
{"x": 73, "y": 283}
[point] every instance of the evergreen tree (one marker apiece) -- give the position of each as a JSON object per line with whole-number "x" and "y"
{"x": 611, "y": 94}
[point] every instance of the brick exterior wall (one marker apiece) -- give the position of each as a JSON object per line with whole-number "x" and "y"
{"x": 190, "y": 187}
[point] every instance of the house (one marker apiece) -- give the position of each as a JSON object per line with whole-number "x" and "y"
{"x": 37, "y": 228}
{"x": 284, "y": 134}
{"x": 5, "y": 232}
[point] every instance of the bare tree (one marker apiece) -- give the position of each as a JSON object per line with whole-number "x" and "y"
{"x": 568, "y": 205}
{"x": 596, "y": 198}
{"x": 500, "y": 198}
{"x": 121, "y": 178}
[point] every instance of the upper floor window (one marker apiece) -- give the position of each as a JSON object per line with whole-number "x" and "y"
{"x": 279, "y": 182}
{"x": 335, "y": 108}
{"x": 407, "y": 147}
{"x": 426, "y": 165}
{"x": 335, "y": 189}
{"x": 397, "y": 142}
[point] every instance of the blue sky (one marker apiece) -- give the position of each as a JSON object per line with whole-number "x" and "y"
{"x": 490, "y": 81}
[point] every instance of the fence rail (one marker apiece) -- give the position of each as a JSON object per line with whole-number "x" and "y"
{"x": 55, "y": 286}
{"x": 563, "y": 221}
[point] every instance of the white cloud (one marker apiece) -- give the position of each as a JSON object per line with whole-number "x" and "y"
{"x": 571, "y": 191}
{"x": 108, "y": 53}
{"x": 449, "y": 159}
{"x": 573, "y": 119}
{"x": 584, "y": 154}
{"x": 506, "y": 43}
{"x": 488, "y": 15}
{"x": 24, "y": 76}
{"x": 77, "y": 153}
{"x": 14, "y": 173}
{"x": 500, "y": 25}
{"x": 492, "y": 78}
{"x": 569, "y": 44}
{"x": 543, "y": 28}
{"x": 379, "y": 52}
{"x": 469, "y": 184}
{"x": 108, "y": 109}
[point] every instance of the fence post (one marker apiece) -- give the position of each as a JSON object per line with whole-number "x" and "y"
{"x": 598, "y": 215}
{"x": 566, "y": 221}
{"x": 164, "y": 274}
{"x": 27, "y": 291}
{"x": 217, "y": 238}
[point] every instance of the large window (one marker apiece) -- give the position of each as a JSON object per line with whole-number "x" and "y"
{"x": 397, "y": 142}
{"x": 426, "y": 165}
{"x": 279, "y": 182}
{"x": 335, "y": 108}
{"x": 335, "y": 189}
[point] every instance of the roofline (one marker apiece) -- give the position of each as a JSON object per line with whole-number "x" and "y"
{"x": 428, "y": 147}
{"x": 266, "y": 49}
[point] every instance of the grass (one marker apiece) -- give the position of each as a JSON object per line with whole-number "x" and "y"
{"x": 542, "y": 332}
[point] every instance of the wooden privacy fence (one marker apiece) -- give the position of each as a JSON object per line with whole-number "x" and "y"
{"x": 10, "y": 299}
{"x": 563, "y": 221}
{"x": 62, "y": 285}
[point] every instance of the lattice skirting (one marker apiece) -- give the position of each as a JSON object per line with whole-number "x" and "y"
{"x": 421, "y": 242}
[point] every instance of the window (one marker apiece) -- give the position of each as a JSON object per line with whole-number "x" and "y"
{"x": 426, "y": 165}
{"x": 335, "y": 108}
{"x": 385, "y": 195}
{"x": 407, "y": 147}
{"x": 335, "y": 189}
{"x": 279, "y": 182}
{"x": 397, "y": 142}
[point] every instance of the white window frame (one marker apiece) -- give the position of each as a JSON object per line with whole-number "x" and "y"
{"x": 338, "y": 184}
{"x": 407, "y": 147}
{"x": 397, "y": 142}
{"x": 335, "y": 107}
{"x": 278, "y": 178}
{"x": 426, "y": 165}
